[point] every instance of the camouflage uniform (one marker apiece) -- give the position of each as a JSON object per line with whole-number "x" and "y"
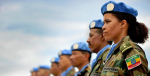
{"x": 148, "y": 73}
{"x": 85, "y": 72}
{"x": 98, "y": 66}
{"x": 116, "y": 64}
{"x": 71, "y": 72}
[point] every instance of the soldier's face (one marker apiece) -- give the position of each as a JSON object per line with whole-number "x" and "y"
{"x": 34, "y": 74}
{"x": 54, "y": 68}
{"x": 63, "y": 62}
{"x": 112, "y": 27}
{"x": 94, "y": 40}
{"x": 77, "y": 58}
{"x": 41, "y": 72}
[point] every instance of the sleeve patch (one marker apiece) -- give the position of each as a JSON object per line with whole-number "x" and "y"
{"x": 133, "y": 61}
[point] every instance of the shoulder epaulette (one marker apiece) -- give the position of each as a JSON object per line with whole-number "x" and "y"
{"x": 126, "y": 46}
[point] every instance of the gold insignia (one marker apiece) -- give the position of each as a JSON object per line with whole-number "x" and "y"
{"x": 53, "y": 60}
{"x": 103, "y": 63}
{"x": 60, "y": 52}
{"x": 92, "y": 25}
{"x": 110, "y": 7}
{"x": 75, "y": 46}
{"x": 87, "y": 74}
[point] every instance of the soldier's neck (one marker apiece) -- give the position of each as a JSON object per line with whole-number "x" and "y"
{"x": 119, "y": 37}
{"x": 102, "y": 46}
{"x": 82, "y": 65}
{"x": 59, "y": 73}
{"x": 69, "y": 65}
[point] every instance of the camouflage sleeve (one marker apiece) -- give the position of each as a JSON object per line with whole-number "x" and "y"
{"x": 141, "y": 69}
{"x": 105, "y": 54}
{"x": 88, "y": 70}
{"x": 71, "y": 72}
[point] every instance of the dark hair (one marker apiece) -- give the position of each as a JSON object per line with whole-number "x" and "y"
{"x": 83, "y": 52}
{"x": 68, "y": 56}
{"x": 100, "y": 31}
{"x": 137, "y": 31}
{"x": 56, "y": 63}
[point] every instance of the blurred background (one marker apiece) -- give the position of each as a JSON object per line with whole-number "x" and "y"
{"x": 34, "y": 31}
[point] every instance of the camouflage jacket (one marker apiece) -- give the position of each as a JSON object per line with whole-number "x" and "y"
{"x": 118, "y": 62}
{"x": 85, "y": 72}
{"x": 98, "y": 66}
{"x": 71, "y": 72}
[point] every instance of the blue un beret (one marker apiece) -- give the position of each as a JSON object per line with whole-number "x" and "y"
{"x": 44, "y": 67}
{"x": 55, "y": 60}
{"x": 118, "y": 7}
{"x": 96, "y": 24}
{"x": 35, "y": 69}
{"x": 64, "y": 52}
{"x": 81, "y": 46}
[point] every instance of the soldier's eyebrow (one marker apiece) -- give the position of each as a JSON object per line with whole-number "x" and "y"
{"x": 106, "y": 20}
{"x": 90, "y": 34}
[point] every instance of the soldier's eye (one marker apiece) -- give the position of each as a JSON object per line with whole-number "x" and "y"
{"x": 107, "y": 21}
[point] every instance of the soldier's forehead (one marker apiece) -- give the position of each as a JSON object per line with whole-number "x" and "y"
{"x": 76, "y": 51}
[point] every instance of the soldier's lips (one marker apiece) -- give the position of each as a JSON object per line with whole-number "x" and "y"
{"x": 104, "y": 33}
{"x": 89, "y": 45}
{"x": 72, "y": 62}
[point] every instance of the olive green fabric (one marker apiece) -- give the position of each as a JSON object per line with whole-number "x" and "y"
{"x": 71, "y": 72}
{"x": 98, "y": 66}
{"x": 116, "y": 66}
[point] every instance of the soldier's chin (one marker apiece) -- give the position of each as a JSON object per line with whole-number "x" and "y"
{"x": 92, "y": 50}
{"x": 74, "y": 65}
{"x": 60, "y": 67}
{"x": 107, "y": 38}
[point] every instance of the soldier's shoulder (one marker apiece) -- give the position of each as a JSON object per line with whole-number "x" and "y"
{"x": 105, "y": 53}
{"x": 129, "y": 48}
{"x": 71, "y": 72}
{"x": 133, "y": 54}
{"x": 88, "y": 69}
{"x": 129, "y": 45}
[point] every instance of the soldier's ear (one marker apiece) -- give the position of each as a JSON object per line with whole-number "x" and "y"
{"x": 46, "y": 73}
{"x": 102, "y": 37}
{"x": 123, "y": 23}
{"x": 86, "y": 56}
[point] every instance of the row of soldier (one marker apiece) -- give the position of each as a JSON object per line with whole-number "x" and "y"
{"x": 124, "y": 57}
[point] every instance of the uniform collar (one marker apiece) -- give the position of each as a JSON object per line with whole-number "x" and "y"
{"x": 82, "y": 69}
{"x": 99, "y": 54}
{"x": 111, "y": 50}
{"x": 67, "y": 71}
{"x": 115, "y": 46}
{"x": 101, "y": 51}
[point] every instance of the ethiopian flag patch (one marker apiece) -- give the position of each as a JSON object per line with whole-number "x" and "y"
{"x": 133, "y": 61}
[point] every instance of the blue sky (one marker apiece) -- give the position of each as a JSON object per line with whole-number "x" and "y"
{"x": 33, "y": 31}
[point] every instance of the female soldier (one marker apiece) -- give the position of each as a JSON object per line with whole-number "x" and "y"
{"x": 120, "y": 26}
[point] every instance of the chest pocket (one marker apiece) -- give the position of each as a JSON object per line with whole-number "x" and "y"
{"x": 110, "y": 69}
{"x": 113, "y": 65}
{"x": 97, "y": 68}
{"x": 111, "y": 62}
{"x": 95, "y": 74}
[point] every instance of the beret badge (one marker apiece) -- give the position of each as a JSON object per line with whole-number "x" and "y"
{"x": 75, "y": 46}
{"x": 92, "y": 24}
{"x": 53, "y": 60}
{"x": 110, "y": 7}
{"x": 60, "y": 53}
